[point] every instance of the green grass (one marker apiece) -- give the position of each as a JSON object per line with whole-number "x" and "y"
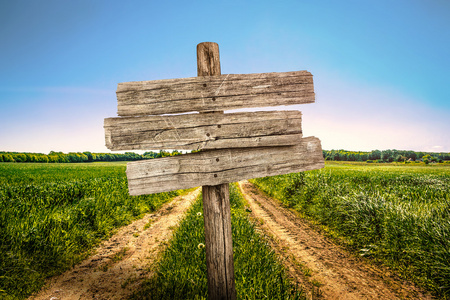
{"x": 181, "y": 272}
{"x": 52, "y": 214}
{"x": 396, "y": 214}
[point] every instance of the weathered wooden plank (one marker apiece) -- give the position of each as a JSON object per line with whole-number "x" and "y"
{"x": 212, "y": 93}
{"x": 222, "y": 166}
{"x": 204, "y": 131}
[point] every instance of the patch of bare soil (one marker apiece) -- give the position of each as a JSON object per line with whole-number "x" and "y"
{"x": 120, "y": 263}
{"x": 323, "y": 268}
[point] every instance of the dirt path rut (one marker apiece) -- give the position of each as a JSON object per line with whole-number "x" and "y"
{"x": 325, "y": 269}
{"x": 120, "y": 264}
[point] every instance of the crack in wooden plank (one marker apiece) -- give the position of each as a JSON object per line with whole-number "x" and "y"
{"x": 220, "y": 86}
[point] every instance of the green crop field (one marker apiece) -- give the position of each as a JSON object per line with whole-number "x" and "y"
{"x": 52, "y": 214}
{"x": 395, "y": 214}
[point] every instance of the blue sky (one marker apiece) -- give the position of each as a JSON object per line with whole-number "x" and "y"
{"x": 381, "y": 68}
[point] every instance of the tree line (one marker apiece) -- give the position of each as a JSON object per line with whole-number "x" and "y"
{"x": 77, "y": 157}
{"x": 336, "y": 155}
{"x": 385, "y": 156}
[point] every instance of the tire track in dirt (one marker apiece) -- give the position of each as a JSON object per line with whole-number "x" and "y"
{"x": 120, "y": 263}
{"x": 312, "y": 258}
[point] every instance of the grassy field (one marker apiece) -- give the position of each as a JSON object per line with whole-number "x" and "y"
{"x": 52, "y": 214}
{"x": 395, "y": 214}
{"x": 181, "y": 272}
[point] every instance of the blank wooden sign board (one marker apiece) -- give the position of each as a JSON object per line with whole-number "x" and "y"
{"x": 235, "y": 146}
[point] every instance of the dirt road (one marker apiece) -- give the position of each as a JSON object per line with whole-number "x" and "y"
{"x": 121, "y": 263}
{"x": 325, "y": 269}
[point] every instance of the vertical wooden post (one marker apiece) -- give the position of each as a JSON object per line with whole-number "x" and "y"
{"x": 216, "y": 207}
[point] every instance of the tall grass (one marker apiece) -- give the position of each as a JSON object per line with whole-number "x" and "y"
{"x": 397, "y": 214}
{"x": 51, "y": 215}
{"x": 181, "y": 272}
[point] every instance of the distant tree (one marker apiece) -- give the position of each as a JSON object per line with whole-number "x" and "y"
{"x": 43, "y": 158}
{"x": 131, "y": 156}
{"x": 176, "y": 152}
{"x": 31, "y": 157}
{"x": 163, "y": 153}
{"x": 375, "y": 154}
{"x": 83, "y": 157}
{"x": 8, "y": 158}
{"x": 336, "y": 156}
{"x": 387, "y": 155}
{"x": 89, "y": 156}
{"x": 72, "y": 157}
{"x": 63, "y": 158}
{"x": 52, "y": 158}
{"x": 19, "y": 157}
{"x": 150, "y": 154}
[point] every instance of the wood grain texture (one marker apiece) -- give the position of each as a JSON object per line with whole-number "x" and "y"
{"x": 218, "y": 240}
{"x": 214, "y": 93}
{"x": 216, "y": 204}
{"x": 208, "y": 59}
{"x": 203, "y": 131}
{"x": 214, "y": 167}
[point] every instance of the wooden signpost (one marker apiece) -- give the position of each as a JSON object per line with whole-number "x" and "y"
{"x": 234, "y": 146}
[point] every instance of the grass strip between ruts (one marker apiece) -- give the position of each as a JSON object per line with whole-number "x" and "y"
{"x": 181, "y": 271}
